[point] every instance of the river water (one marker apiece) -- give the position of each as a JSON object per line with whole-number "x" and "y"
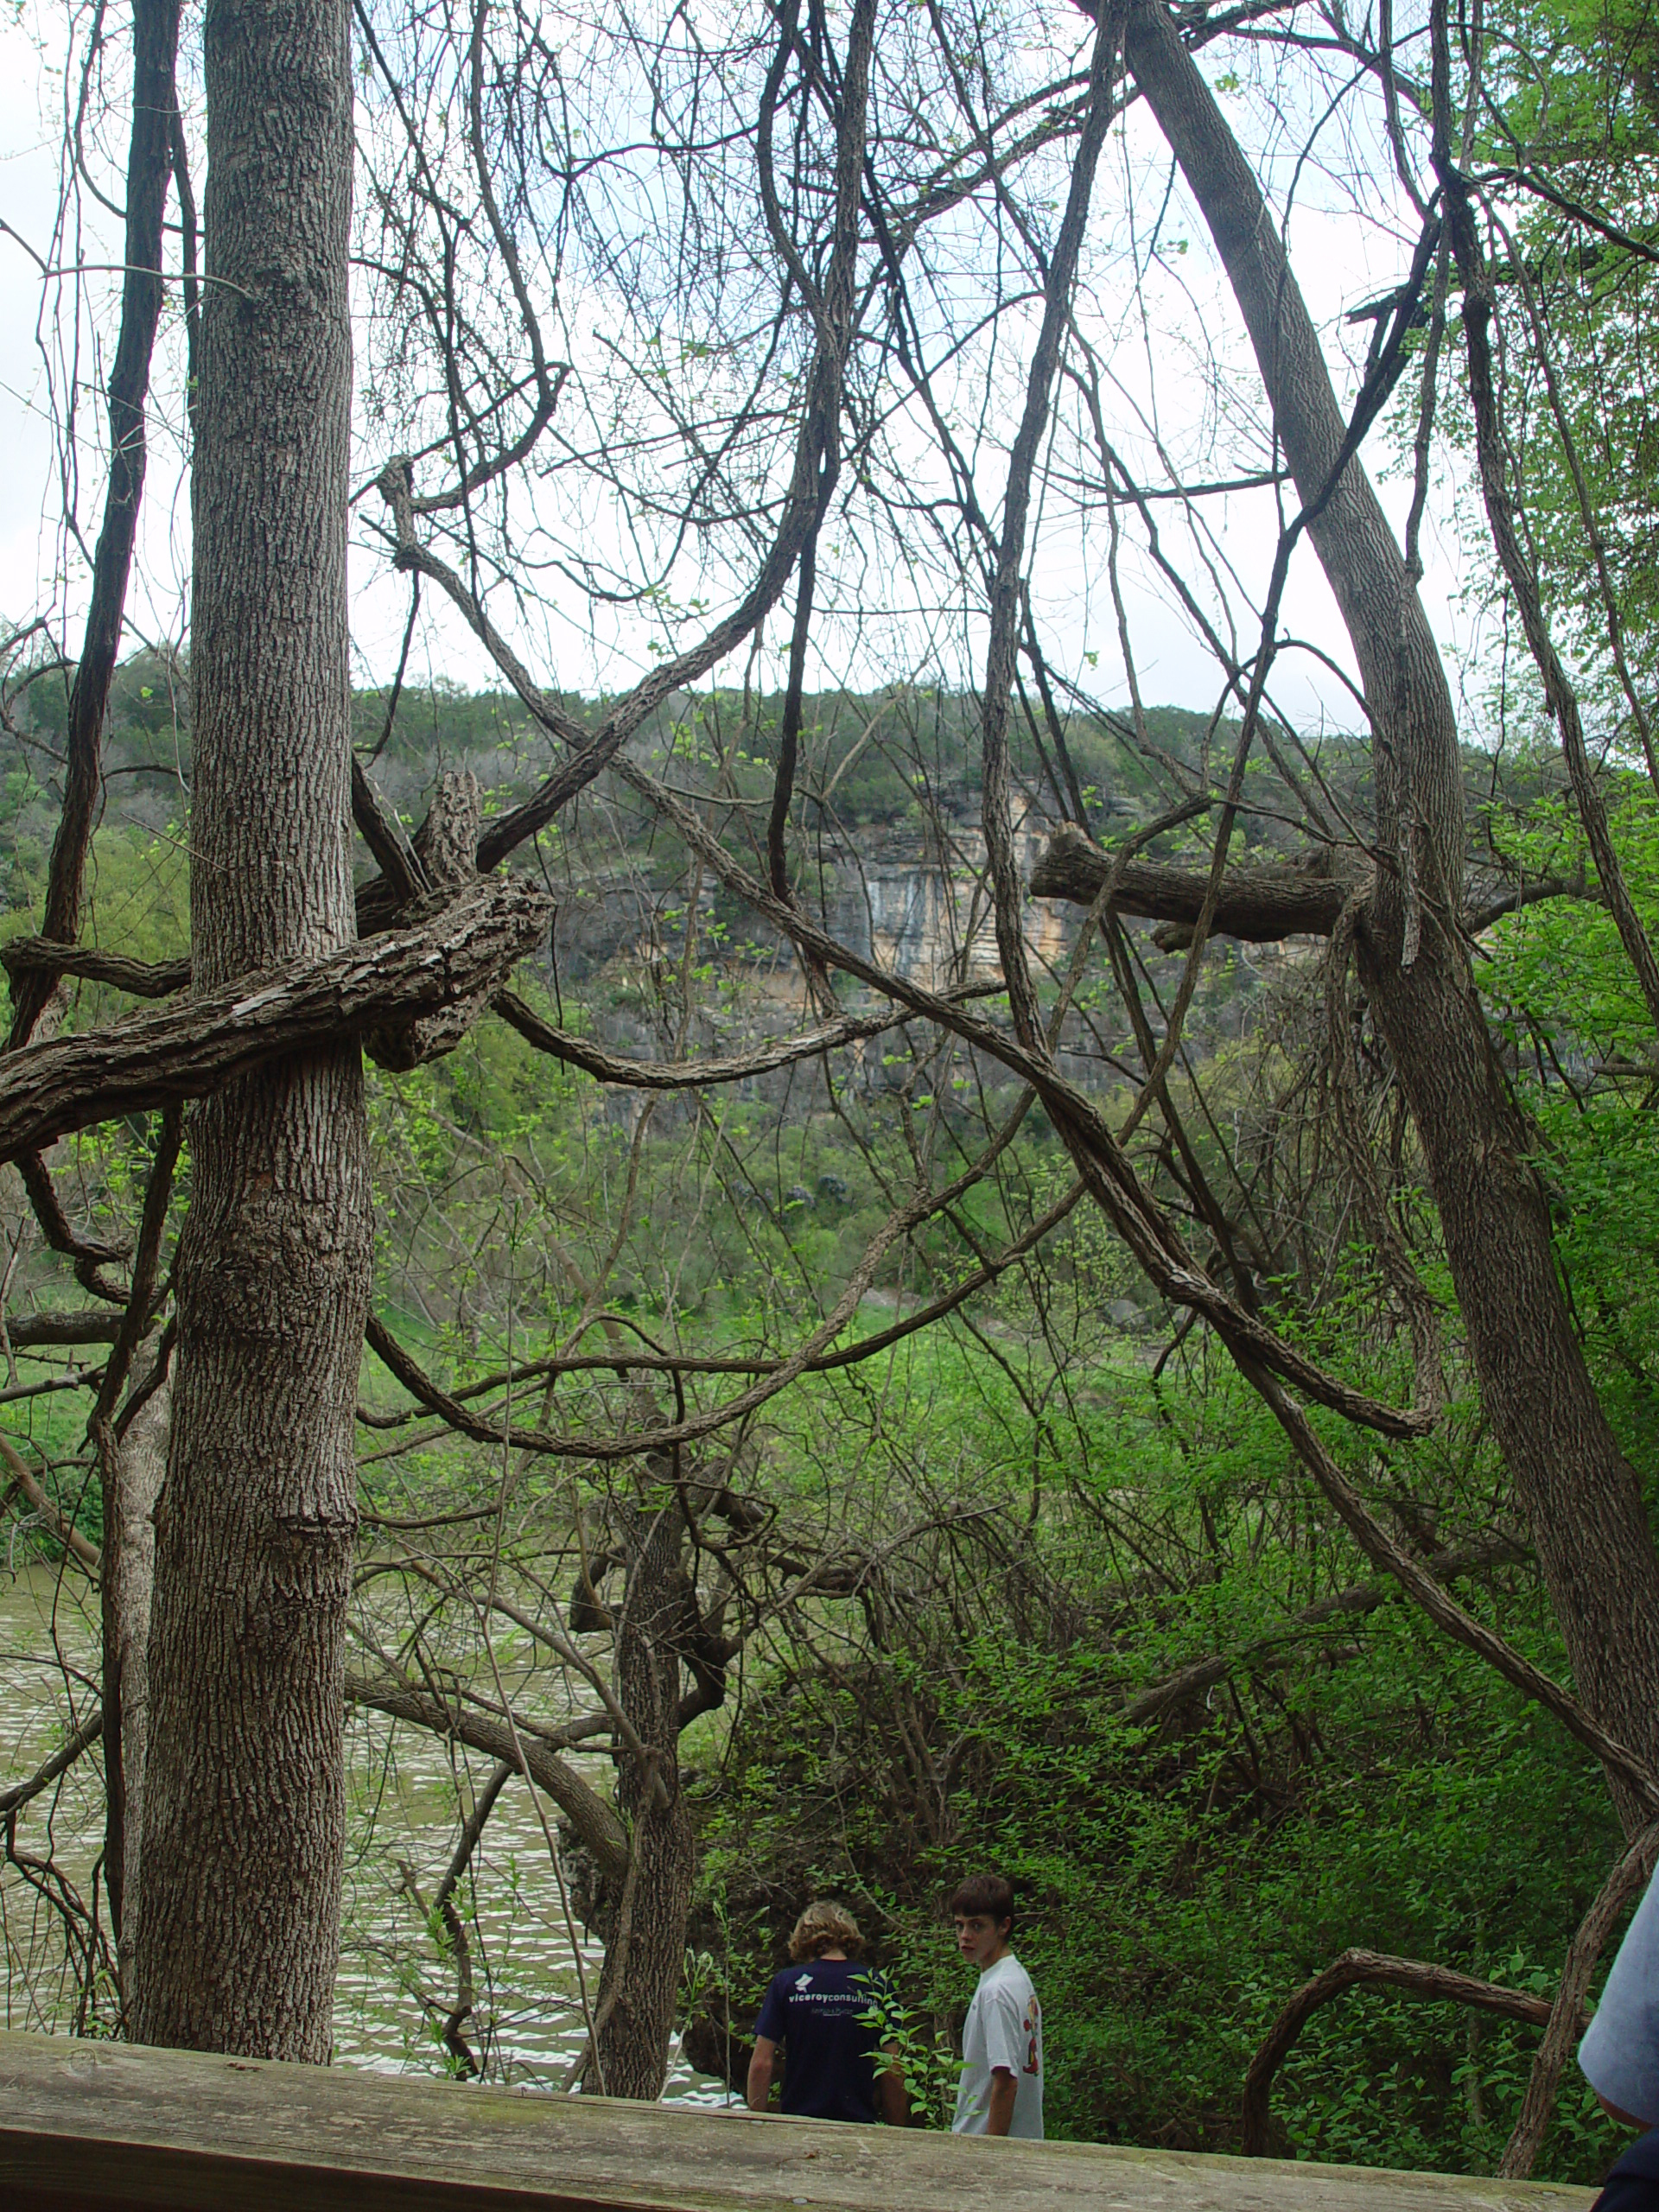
{"x": 395, "y": 1984}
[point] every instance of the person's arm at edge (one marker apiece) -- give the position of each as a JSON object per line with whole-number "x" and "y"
{"x": 1625, "y": 2119}
{"x": 895, "y": 2095}
{"x": 760, "y": 2066}
{"x": 1004, "y": 2090}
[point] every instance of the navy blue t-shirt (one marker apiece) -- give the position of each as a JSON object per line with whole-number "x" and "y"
{"x": 814, "y": 2011}
{"x": 1633, "y": 2185}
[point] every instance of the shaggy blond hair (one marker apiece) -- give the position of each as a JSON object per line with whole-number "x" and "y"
{"x": 824, "y": 1927}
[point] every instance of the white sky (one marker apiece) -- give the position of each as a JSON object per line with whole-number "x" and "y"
{"x": 1339, "y": 261}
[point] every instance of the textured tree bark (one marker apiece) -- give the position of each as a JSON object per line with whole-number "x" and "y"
{"x": 646, "y": 1951}
{"x": 130, "y": 1568}
{"x": 243, "y": 1835}
{"x": 411, "y": 996}
{"x": 1591, "y": 1531}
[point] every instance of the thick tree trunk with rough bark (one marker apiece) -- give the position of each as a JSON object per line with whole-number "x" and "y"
{"x": 1589, "y": 1524}
{"x": 237, "y": 1935}
{"x": 643, "y": 1960}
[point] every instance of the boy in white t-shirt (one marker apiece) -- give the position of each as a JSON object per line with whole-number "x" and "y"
{"x": 1001, "y": 2092}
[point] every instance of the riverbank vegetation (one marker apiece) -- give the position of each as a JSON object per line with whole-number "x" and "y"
{"x": 1033, "y": 1584}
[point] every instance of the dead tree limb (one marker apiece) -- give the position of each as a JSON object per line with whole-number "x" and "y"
{"x": 19, "y": 1793}
{"x": 454, "y": 1926}
{"x": 383, "y": 833}
{"x": 1435, "y": 1985}
{"x": 62, "y": 1528}
{"x": 28, "y": 957}
{"x": 1261, "y": 906}
{"x": 594, "y": 1822}
{"x": 89, "y": 1255}
{"x": 150, "y": 161}
{"x": 451, "y": 958}
{"x": 29, "y": 1331}
{"x": 683, "y": 1075}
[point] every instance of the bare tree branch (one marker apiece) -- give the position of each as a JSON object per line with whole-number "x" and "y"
{"x": 1435, "y": 1985}
{"x": 593, "y": 1820}
{"x": 19, "y": 1793}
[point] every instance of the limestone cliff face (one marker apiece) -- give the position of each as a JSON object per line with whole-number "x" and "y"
{"x": 927, "y": 915}
{"x": 911, "y": 902}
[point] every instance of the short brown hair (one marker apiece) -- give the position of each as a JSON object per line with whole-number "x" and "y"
{"x": 986, "y": 1893}
{"x": 824, "y": 1927}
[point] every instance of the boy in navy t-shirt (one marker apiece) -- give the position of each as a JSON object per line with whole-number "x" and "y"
{"x": 818, "y": 2009}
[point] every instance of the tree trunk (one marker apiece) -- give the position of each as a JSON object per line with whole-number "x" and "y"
{"x": 129, "y": 1570}
{"x": 1589, "y": 1525}
{"x": 243, "y": 1834}
{"x": 640, "y": 1982}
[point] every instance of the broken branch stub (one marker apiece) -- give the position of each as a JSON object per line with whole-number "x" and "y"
{"x": 443, "y": 849}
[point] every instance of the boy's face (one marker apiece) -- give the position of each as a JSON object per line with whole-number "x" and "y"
{"x": 980, "y": 1940}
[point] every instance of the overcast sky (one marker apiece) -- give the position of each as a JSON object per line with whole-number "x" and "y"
{"x": 1339, "y": 261}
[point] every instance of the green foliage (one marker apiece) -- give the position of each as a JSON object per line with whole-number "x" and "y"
{"x": 1563, "y": 997}
{"x": 1016, "y": 1525}
{"x": 923, "y": 2054}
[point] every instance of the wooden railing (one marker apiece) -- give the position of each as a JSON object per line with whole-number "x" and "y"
{"x": 111, "y": 2125}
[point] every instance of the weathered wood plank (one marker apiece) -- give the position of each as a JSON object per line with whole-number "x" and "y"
{"x": 105, "y": 2124}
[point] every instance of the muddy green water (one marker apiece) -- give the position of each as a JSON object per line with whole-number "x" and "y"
{"x": 394, "y": 1982}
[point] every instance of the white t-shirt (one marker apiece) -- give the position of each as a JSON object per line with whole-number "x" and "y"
{"x": 1004, "y": 2028}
